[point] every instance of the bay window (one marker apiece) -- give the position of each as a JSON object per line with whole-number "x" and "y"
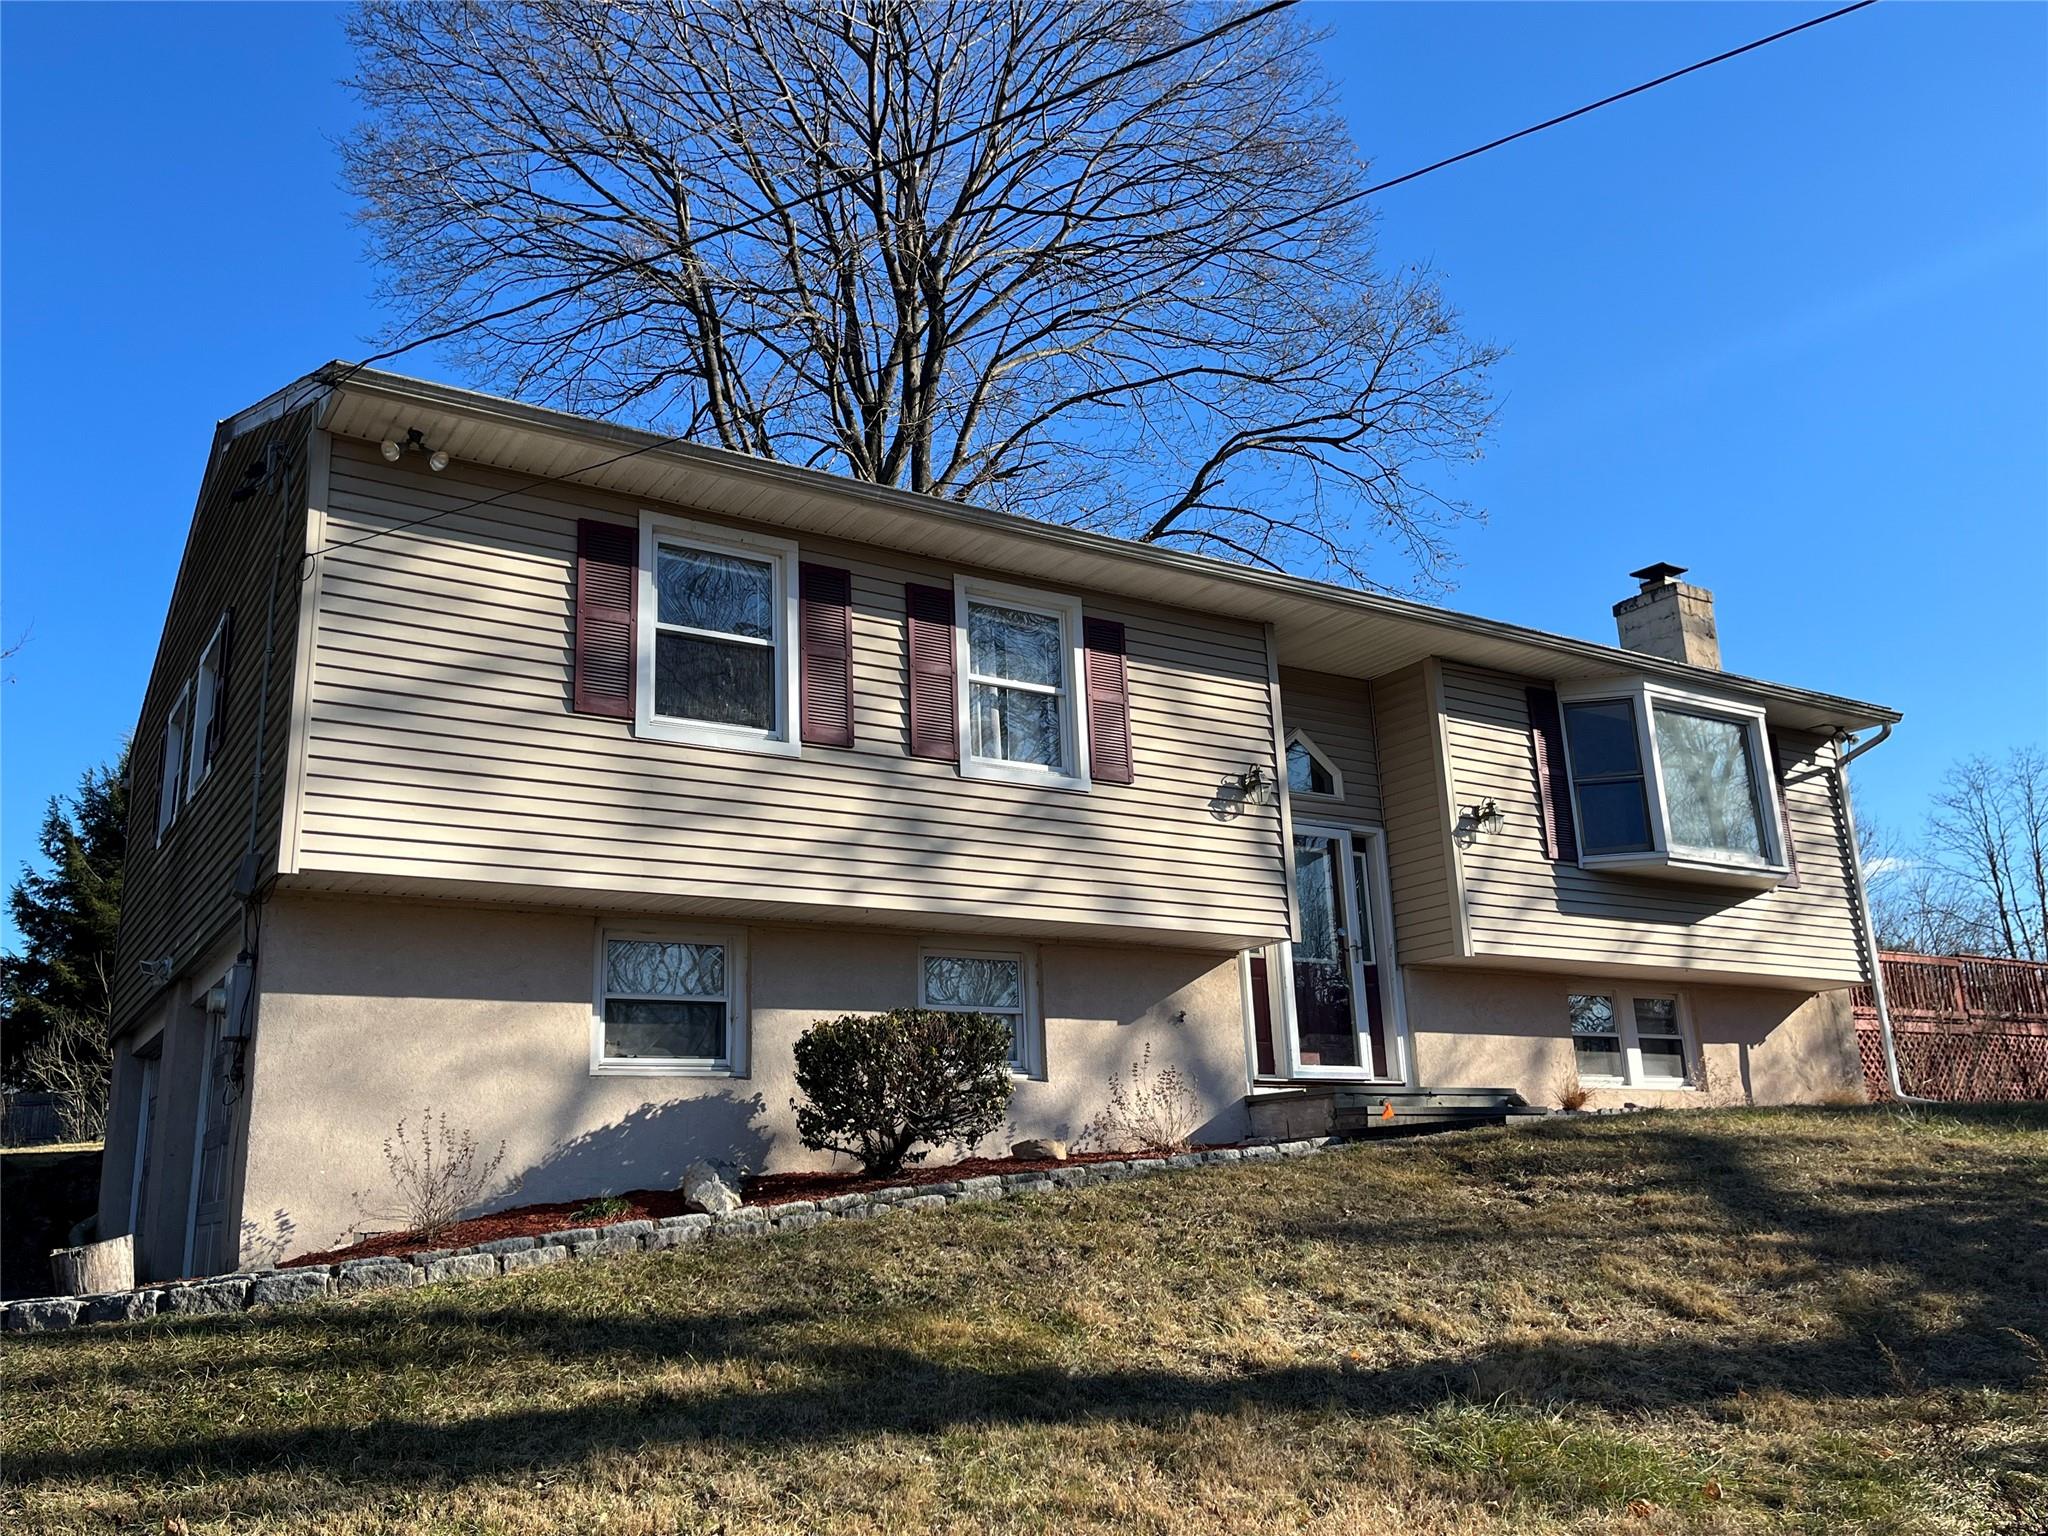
{"x": 1670, "y": 783}
{"x": 716, "y": 652}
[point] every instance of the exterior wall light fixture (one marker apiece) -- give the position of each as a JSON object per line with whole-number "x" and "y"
{"x": 1486, "y": 816}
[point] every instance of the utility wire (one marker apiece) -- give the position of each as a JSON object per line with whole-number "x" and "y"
{"x": 1607, "y": 101}
{"x": 850, "y": 179}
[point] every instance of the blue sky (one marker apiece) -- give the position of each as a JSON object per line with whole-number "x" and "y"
{"x": 1784, "y": 322}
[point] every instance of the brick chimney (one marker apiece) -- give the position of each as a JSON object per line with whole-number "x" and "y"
{"x": 1669, "y": 618}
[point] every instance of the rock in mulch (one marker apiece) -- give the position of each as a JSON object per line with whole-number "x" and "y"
{"x": 705, "y": 1189}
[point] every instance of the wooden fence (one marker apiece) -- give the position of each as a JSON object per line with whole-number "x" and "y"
{"x": 1966, "y": 1027}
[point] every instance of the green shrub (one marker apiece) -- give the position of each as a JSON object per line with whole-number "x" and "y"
{"x": 603, "y": 1208}
{"x": 880, "y": 1084}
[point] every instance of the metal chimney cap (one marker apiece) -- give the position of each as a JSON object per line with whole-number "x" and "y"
{"x": 1656, "y": 575}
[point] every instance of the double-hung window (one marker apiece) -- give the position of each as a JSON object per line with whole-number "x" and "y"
{"x": 717, "y": 656}
{"x": 996, "y": 982}
{"x": 669, "y": 1003}
{"x": 1021, "y": 714}
{"x": 177, "y": 740}
{"x": 1623, "y": 1038}
{"x": 206, "y": 722}
{"x": 1671, "y": 783}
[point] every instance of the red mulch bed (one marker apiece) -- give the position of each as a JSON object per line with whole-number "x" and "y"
{"x": 521, "y": 1221}
{"x": 653, "y": 1204}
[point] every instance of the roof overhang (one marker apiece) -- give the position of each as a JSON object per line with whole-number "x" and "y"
{"x": 1315, "y": 625}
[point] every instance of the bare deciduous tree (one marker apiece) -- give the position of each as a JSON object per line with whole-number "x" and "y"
{"x": 1097, "y": 261}
{"x": 1978, "y": 884}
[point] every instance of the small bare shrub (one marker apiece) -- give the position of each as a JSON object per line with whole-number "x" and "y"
{"x": 73, "y": 1063}
{"x": 436, "y": 1177}
{"x": 1571, "y": 1093}
{"x": 1147, "y": 1111}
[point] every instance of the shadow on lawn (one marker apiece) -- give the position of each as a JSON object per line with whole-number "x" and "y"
{"x": 866, "y": 1389}
{"x": 1959, "y": 1239}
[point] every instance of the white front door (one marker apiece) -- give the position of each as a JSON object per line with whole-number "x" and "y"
{"x": 1340, "y": 993}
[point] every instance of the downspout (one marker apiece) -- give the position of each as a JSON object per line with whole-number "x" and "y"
{"x": 1877, "y": 988}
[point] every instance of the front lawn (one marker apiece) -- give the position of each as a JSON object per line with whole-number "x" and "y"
{"x": 1814, "y": 1320}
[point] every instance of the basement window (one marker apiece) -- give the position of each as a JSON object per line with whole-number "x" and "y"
{"x": 1671, "y": 783}
{"x": 669, "y": 1003}
{"x": 1628, "y": 1039}
{"x": 991, "y": 981}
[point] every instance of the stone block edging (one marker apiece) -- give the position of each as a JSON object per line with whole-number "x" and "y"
{"x": 274, "y": 1287}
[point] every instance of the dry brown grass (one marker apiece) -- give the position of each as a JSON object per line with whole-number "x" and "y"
{"x": 1712, "y": 1322}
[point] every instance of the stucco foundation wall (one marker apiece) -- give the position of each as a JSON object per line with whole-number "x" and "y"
{"x": 1492, "y": 1029}
{"x": 373, "y": 1011}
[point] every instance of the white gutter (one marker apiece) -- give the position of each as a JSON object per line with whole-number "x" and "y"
{"x": 1877, "y": 990}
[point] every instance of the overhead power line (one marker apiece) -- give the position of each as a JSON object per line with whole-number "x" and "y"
{"x": 1608, "y": 101}
{"x": 847, "y": 181}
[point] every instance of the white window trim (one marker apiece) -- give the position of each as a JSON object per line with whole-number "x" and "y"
{"x": 170, "y": 793}
{"x": 205, "y": 702}
{"x": 781, "y": 556}
{"x": 1624, "y": 1000}
{"x": 1073, "y": 719}
{"x": 1029, "y": 1032}
{"x": 1301, "y": 738}
{"x": 736, "y": 1016}
{"x": 1644, "y": 696}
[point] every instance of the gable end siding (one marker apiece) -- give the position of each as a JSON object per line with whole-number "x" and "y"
{"x": 177, "y": 899}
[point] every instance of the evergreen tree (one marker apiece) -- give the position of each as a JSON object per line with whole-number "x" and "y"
{"x": 67, "y": 916}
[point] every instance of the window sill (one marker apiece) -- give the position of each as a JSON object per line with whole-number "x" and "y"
{"x": 1018, "y": 773}
{"x": 691, "y": 734}
{"x": 654, "y": 1067}
{"x": 1669, "y": 866}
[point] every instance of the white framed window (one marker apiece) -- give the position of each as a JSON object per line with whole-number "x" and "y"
{"x": 716, "y": 649}
{"x": 1019, "y": 668}
{"x": 177, "y": 737}
{"x": 1631, "y": 1037}
{"x": 1310, "y": 774}
{"x": 1665, "y": 781}
{"x": 205, "y": 726}
{"x": 953, "y": 979}
{"x": 669, "y": 1002}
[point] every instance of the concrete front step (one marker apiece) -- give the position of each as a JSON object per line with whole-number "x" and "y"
{"x": 1428, "y": 1098}
{"x": 1314, "y": 1109}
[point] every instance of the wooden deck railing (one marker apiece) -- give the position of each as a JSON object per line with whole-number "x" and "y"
{"x": 1966, "y": 1027}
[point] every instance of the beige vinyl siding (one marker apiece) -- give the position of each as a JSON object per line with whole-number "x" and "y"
{"x": 1336, "y": 714}
{"x": 1523, "y": 907}
{"x": 178, "y": 899}
{"x": 1420, "y": 878}
{"x": 440, "y": 747}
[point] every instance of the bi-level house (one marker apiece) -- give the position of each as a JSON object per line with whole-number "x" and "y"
{"x": 555, "y": 778}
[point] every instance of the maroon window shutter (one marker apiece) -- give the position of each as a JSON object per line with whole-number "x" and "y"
{"x": 607, "y": 593}
{"x": 934, "y": 718}
{"x": 1109, "y": 701}
{"x": 1553, "y": 788}
{"x": 216, "y": 725}
{"x": 1781, "y": 763}
{"x": 824, "y": 628}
